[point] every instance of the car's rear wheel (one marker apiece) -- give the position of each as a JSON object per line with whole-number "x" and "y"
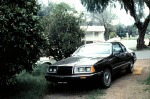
{"x": 130, "y": 68}
{"x": 106, "y": 78}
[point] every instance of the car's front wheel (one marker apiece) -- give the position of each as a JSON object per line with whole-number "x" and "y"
{"x": 106, "y": 78}
{"x": 130, "y": 68}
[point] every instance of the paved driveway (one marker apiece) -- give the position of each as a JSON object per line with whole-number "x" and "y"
{"x": 144, "y": 54}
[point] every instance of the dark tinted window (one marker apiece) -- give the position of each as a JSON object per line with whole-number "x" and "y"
{"x": 123, "y": 48}
{"x": 117, "y": 48}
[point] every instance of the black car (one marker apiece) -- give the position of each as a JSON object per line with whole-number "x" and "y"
{"x": 96, "y": 62}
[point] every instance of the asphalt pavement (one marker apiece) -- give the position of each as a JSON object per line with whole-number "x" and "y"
{"x": 143, "y": 54}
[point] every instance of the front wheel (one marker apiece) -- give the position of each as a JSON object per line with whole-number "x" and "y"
{"x": 106, "y": 78}
{"x": 130, "y": 68}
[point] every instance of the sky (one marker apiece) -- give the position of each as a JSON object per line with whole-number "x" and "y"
{"x": 123, "y": 17}
{"x": 74, "y": 3}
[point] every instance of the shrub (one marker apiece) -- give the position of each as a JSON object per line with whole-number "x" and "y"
{"x": 112, "y": 35}
{"x": 21, "y": 39}
{"x": 28, "y": 85}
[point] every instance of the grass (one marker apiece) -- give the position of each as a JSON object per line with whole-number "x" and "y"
{"x": 96, "y": 94}
{"x": 147, "y": 81}
{"x": 34, "y": 86}
{"x": 28, "y": 86}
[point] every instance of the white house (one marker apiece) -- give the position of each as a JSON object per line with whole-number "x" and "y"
{"x": 93, "y": 34}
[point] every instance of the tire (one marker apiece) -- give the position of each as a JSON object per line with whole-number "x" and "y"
{"x": 106, "y": 78}
{"x": 130, "y": 68}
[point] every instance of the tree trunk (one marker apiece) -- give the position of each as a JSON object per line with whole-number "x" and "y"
{"x": 140, "y": 40}
{"x": 106, "y": 33}
{"x": 142, "y": 26}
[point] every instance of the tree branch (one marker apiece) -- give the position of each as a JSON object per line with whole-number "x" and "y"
{"x": 129, "y": 5}
{"x": 147, "y": 3}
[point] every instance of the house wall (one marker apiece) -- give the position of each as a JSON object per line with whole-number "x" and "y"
{"x": 93, "y": 34}
{"x": 94, "y": 37}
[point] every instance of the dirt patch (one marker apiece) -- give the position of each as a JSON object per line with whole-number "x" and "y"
{"x": 130, "y": 86}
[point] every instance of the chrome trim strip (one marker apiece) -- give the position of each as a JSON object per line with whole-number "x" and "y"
{"x": 121, "y": 65}
{"x": 87, "y": 75}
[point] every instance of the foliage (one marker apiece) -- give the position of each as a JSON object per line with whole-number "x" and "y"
{"x": 112, "y": 35}
{"x": 46, "y": 10}
{"x": 121, "y": 31}
{"x": 96, "y": 94}
{"x": 147, "y": 81}
{"x": 28, "y": 85}
{"x": 63, "y": 30}
{"x": 134, "y": 7}
{"x": 131, "y": 30}
{"x": 21, "y": 38}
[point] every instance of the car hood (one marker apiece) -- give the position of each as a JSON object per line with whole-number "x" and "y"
{"x": 78, "y": 61}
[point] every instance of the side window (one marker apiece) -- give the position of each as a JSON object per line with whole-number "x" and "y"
{"x": 117, "y": 49}
{"x": 123, "y": 48}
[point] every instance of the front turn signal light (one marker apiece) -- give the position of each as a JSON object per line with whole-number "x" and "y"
{"x": 92, "y": 69}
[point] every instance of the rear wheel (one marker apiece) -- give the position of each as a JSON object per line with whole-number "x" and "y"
{"x": 130, "y": 68}
{"x": 106, "y": 78}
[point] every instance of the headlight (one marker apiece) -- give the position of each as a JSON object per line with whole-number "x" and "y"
{"x": 85, "y": 69}
{"x": 52, "y": 69}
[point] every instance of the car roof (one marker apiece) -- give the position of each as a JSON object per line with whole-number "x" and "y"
{"x": 101, "y": 43}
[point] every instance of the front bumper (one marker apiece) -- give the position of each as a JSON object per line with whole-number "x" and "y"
{"x": 72, "y": 78}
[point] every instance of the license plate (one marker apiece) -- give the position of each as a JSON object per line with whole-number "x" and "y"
{"x": 62, "y": 82}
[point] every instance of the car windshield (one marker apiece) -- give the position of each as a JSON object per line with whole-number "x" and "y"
{"x": 93, "y": 50}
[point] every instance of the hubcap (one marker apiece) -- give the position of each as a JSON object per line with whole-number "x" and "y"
{"x": 131, "y": 67}
{"x": 107, "y": 78}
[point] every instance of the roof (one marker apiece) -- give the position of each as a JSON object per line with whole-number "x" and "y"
{"x": 93, "y": 28}
{"x": 97, "y": 43}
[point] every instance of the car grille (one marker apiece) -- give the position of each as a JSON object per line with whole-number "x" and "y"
{"x": 64, "y": 70}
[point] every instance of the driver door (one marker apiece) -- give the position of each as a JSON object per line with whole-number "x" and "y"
{"x": 119, "y": 57}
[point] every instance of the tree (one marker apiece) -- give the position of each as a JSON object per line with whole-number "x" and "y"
{"x": 63, "y": 29}
{"x": 134, "y": 7}
{"x": 121, "y": 30}
{"x": 131, "y": 30}
{"x": 21, "y": 39}
{"x": 112, "y": 35}
{"x": 46, "y": 10}
{"x": 105, "y": 18}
